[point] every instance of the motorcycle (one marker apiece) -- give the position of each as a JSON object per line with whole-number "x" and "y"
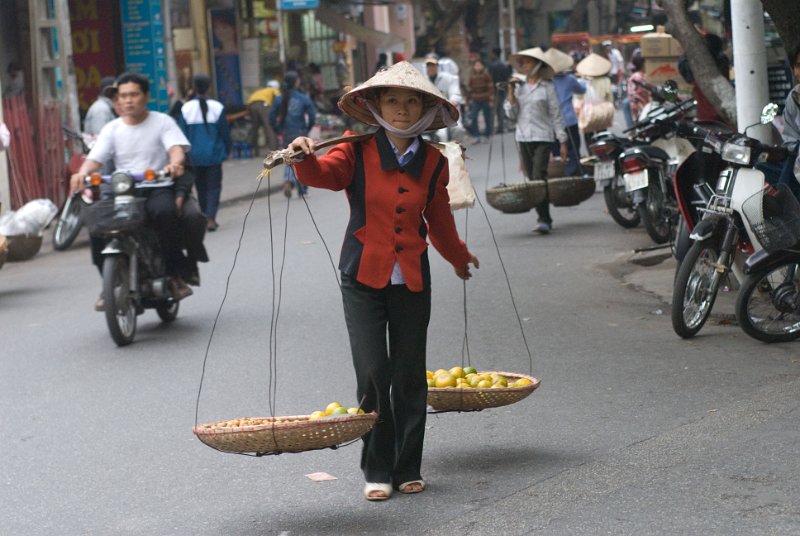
{"x": 648, "y": 169}
{"x": 134, "y": 272}
{"x": 768, "y": 303}
{"x": 70, "y": 219}
{"x": 607, "y": 147}
{"x": 724, "y": 229}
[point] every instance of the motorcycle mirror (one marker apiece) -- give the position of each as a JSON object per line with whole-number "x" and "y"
{"x": 769, "y": 113}
{"x": 670, "y": 90}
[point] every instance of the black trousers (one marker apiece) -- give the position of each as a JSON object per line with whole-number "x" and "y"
{"x": 188, "y": 230}
{"x": 535, "y": 156}
{"x": 388, "y": 335}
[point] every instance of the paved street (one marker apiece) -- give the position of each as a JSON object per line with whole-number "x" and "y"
{"x": 633, "y": 431}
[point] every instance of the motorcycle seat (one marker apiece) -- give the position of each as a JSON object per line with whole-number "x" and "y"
{"x": 652, "y": 153}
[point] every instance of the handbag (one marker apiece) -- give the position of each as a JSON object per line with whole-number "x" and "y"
{"x": 459, "y": 189}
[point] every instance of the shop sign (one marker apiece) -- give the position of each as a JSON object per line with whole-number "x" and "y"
{"x": 92, "y": 46}
{"x": 288, "y": 5}
{"x": 143, "y": 43}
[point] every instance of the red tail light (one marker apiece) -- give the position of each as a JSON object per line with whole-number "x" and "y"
{"x": 602, "y": 150}
{"x": 633, "y": 164}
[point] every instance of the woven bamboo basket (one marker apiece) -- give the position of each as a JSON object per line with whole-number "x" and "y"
{"x": 293, "y": 434}
{"x": 570, "y": 191}
{"x": 516, "y": 198}
{"x": 23, "y": 247}
{"x": 558, "y": 168}
{"x": 472, "y": 399}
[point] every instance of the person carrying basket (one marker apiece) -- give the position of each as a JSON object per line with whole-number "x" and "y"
{"x": 396, "y": 184}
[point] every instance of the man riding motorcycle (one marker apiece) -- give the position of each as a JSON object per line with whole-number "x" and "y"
{"x": 138, "y": 140}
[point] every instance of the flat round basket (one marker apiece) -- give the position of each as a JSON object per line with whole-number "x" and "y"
{"x": 23, "y": 247}
{"x": 570, "y": 191}
{"x": 283, "y": 434}
{"x": 472, "y": 399}
{"x": 516, "y": 198}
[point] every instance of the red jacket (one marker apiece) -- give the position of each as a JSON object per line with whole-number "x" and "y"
{"x": 392, "y": 209}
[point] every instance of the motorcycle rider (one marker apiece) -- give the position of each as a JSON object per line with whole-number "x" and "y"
{"x": 141, "y": 139}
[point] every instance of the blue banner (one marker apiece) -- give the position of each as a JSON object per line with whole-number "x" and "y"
{"x": 225, "y": 41}
{"x": 288, "y": 5}
{"x": 143, "y": 44}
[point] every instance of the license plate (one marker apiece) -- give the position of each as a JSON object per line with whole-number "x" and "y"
{"x": 603, "y": 170}
{"x": 635, "y": 181}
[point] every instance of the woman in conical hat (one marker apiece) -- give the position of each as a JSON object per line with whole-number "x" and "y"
{"x": 534, "y": 106}
{"x": 396, "y": 184}
{"x": 567, "y": 86}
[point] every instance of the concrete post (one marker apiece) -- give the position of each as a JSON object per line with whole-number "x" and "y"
{"x": 750, "y": 65}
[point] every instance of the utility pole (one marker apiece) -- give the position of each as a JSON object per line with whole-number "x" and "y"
{"x": 507, "y": 28}
{"x": 750, "y": 64}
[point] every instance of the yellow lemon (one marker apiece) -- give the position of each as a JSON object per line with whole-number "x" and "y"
{"x": 331, "y": 407}
{"x": 431, "y": 382}
{"x": 461, "y": 382}
{"x": 501, "y": 381}
{"x": 458, "y": 372}
{"x": 428, "y": 374}
{"x": 522, "y": 382}
{"x": 469, "y": 370}
{"x": 316, "y": 415}
{"x": 338, "y": 411}
{"x": 498, "y": 385}
{"x": 440, "y": 371}
{"x": 474, "y": 380}
{"x": 445, "y": 380}
{"x": 484, "y": 384}
{"x": 486, "y": 377}
{"x": 355, "y": 411}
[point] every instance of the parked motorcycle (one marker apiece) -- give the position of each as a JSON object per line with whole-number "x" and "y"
{"x": 69, "y": 223}
{"x": 648, "y": 169}
{"x": 134, "y": 272}
{"x": 768, "y": 303}
{"x": 724, "y": 228}
{"x": 607, "y": 147}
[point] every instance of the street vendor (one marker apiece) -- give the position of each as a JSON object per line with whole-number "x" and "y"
{"x": 396, "y": 184}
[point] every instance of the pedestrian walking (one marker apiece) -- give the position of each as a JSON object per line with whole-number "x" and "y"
{"x": 396, "y": 185}
{"x": 260, "y": 104}
{"x": 567, "y": 86}
{"x": 292, "y": 115}
{"x": 535, "y": 108}
{"x": 501, "y": 73}
{"x": 596, "y": 109}
{"x": 203, "y": 122}
{"x": 480, "y": 98}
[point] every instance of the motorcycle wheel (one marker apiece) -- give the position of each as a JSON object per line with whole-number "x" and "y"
{"x": 619, "y": 205}
{"x": 682, "y": 242}
{"x": 768, "y": 306}
{"x": 696, "y": 286}
{"x": 168, "y": 310}
{"x": 652, "y": 215}
{"x": 120, "y": 308}
{"x": 68, "y": 224}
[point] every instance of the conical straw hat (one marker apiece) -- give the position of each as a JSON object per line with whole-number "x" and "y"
{"x": 535, "y": 53}
{"x": 559, "y": 61}
{"x": 593, "y": 65}
{"x": 400, "y": 75}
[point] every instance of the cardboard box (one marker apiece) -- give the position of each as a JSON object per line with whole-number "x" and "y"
{"x": 659, "y": 70}
{"x": 660, "y": 45}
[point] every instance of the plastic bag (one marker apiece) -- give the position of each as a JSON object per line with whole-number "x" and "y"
{"x": 595, "y": 113}
{"x": 460, "y": 190}
{"x": 32, "y": 218}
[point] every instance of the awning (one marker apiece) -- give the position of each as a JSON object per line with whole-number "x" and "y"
{"x": 344, "y": 25}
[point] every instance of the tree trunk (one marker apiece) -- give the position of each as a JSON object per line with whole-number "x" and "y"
{"x": 786, "y": 17}
{"x": 716, "y": 88}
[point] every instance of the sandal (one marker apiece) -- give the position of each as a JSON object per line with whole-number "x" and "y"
{"x": 374, "y": 491}
{"x": 412, "y": 486}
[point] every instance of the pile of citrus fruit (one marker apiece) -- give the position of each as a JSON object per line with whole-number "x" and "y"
{"x": 469, "y": 378}
{"x": 334, "y": 409}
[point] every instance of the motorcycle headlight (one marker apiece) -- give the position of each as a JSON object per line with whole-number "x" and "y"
{"x": 738, "y": 154}
{"x": 121, "y": 183}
